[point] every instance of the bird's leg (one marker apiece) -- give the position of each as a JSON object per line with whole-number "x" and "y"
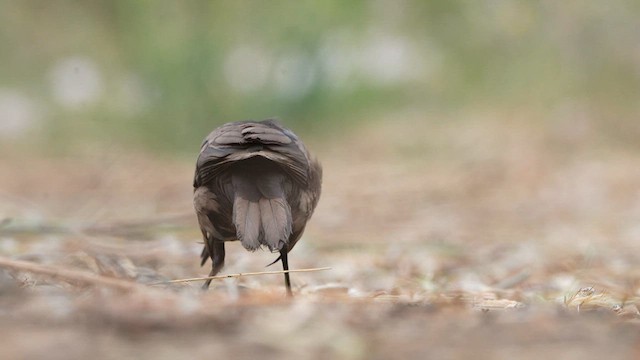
{"x": 285, "y": 267}
{"x": 217, "y": 260}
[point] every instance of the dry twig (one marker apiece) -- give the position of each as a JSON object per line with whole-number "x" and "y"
{"x": 218, "y": 277}
{"x": 70, "y": 276}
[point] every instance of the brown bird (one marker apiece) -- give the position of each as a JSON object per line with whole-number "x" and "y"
{"x": 254, "y": 182}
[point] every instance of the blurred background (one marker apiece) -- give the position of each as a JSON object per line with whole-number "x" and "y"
{"x": 159, "y": 75}
{"x": 481, "y": 175}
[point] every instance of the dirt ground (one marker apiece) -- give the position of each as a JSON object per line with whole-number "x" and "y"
{"x": 488, "y": 239}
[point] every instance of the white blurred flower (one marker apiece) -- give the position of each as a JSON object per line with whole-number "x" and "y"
{"x": 382, "y": 59}
{"x": 246, "y": 68}
{"x": 339, "y": 60}
{"x": 18, "y": 114}
{"x": 76, "y": 81}
{"x": 389, "y": 59}
{"x": 294, "y": 75}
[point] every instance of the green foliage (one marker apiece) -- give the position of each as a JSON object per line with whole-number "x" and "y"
{"x": 170, "y": 71}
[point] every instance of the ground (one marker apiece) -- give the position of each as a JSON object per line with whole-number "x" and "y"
{"x": 491, "y": 239}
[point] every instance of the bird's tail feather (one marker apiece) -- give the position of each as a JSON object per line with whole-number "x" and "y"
{"x": 261, "y": 213}
{"x": 275, "y": 215}
{"x": 246, "y": 217}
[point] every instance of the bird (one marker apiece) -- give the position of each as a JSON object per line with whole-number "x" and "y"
{"x": 255, "y": 182}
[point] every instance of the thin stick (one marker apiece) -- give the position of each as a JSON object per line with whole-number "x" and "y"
{"x": 66, "y": 275}
{"x": 218, "y": 277}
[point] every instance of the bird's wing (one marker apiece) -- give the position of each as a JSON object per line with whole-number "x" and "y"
{"x": 234, "y": 142}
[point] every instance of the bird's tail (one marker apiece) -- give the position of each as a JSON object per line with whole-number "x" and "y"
{"x": 261, "y": 213}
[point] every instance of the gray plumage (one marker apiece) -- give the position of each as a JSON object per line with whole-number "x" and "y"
{"x": 254, "y": 182}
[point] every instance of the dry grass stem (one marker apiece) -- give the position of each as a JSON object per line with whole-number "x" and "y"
{"x": 218, "y": 277}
